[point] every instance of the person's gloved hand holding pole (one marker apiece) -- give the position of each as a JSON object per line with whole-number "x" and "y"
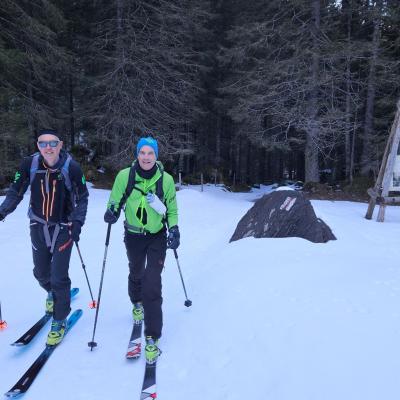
{"x": 75, "y": 228}
{"x": 173, "y": 240}
{"x": 110, "y": 217}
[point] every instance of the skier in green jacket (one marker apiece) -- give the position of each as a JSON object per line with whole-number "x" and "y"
{"x": 148, "y": 193}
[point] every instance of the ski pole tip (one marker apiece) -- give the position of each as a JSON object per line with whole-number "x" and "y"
{"x": 3, "y": 325}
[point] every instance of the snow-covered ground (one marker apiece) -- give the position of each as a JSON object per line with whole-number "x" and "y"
{"x": 279, "y": 319}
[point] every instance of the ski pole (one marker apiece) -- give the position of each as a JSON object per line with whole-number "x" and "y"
{"x": 3, "y": 324}
{"x": 188, "y": 302}
{"x": 92, "y": 343}
{"x": 93, "y": 303}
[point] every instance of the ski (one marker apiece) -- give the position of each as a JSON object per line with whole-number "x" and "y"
{"x": 34, "y": 330}
{"x": 135, "y": 341}
{"x": 149, "y": 382}
{"x": 27, "y": 379}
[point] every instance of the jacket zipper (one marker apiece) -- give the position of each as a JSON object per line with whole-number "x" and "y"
{"x": 44, "y": 199}
{"x": 52, "y": 200}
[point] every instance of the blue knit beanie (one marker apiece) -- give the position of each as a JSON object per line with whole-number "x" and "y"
{"x": 147, "y": 141}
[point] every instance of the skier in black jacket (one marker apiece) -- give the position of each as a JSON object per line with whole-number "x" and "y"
{"x": 57, "y": 212}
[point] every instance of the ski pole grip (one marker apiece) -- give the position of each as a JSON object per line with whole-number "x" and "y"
{"x": 108, "y": 234}
{"x": 109, "y": 227}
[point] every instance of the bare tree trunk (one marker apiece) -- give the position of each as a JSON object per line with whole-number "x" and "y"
{"x": 232, "y": 158}
{"x": 311, "y": 150}
{"x": 218, "y": 142}
{"x": 244, "y": 155}
{"x": 261, "y": 166}
{"x": 367, "y": 152}
{"x": 30, "y": 109}
{"x": 238, "y": 159}
{"x": 186, "y": 158}
{"x": 181, "y": 163}
{"x": 119, "y": 62}
{"x": 71, "y": 111}
{"x": 353, "y": 145}
{"x": 347, "y": 139}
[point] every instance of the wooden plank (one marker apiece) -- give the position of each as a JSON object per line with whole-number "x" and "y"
{"x": 379, "y": 180}
{"x": 389, "y": 172}
{"x": 391, "y": 199}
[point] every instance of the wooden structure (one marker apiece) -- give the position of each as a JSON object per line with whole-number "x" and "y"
{"x": 380, "y": 193}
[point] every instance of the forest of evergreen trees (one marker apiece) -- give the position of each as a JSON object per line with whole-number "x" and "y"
{"x": 251, "y": 90}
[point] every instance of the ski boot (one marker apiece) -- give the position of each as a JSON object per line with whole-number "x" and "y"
{"x": 151, "y": 350}
{"x": 49, "y": 303}
{"x": 137, "y": 312}
{"x": 57, "y": 332}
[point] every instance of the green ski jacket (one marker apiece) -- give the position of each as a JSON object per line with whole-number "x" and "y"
{"x": 137, "y": 201}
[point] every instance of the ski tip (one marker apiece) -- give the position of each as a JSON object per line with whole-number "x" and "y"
{"x": 76, "y": 314}
{"x": 74, "y": 291}
{"x": 13, "y": 393}
{"x": 73, "y": 318}
{"x": 17, "y": 344}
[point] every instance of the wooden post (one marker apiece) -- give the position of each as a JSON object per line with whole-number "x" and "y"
{"x": 387, "y": 178}
{"x": 202, "y": 181}
{"x": 180, "y": 180}
{"x": 381, "y": 187}
{"x": 377, "y": 190}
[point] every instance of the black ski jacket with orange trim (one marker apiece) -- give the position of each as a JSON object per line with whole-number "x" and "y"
{"x": 50, "y": 198}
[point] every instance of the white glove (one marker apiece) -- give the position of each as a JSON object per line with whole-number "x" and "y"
{"x": 155, "y": 203}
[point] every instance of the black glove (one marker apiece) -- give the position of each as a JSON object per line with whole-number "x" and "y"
{"x": 173, "y": 237}
{"x": 75, "y": 230}
{"x": 110, "y": 217}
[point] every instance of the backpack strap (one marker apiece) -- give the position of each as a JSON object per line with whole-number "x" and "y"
{"x": 160, "y": 190}
{"x": 131, "y": 181}
{"x": 129, "y": 187}
{"x": 64, "y": 170}
{"x": 159, "y": 184}
{"x": 34, "y": 167}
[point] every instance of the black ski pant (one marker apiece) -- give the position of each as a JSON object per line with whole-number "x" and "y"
{"x": 146, "y": 255}
{"x": 51, "y": 270}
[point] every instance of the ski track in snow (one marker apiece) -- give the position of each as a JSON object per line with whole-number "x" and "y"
{"x": 278, "y": 319}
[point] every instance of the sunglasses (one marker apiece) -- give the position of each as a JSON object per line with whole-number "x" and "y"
{"x": 51, "y": 143}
